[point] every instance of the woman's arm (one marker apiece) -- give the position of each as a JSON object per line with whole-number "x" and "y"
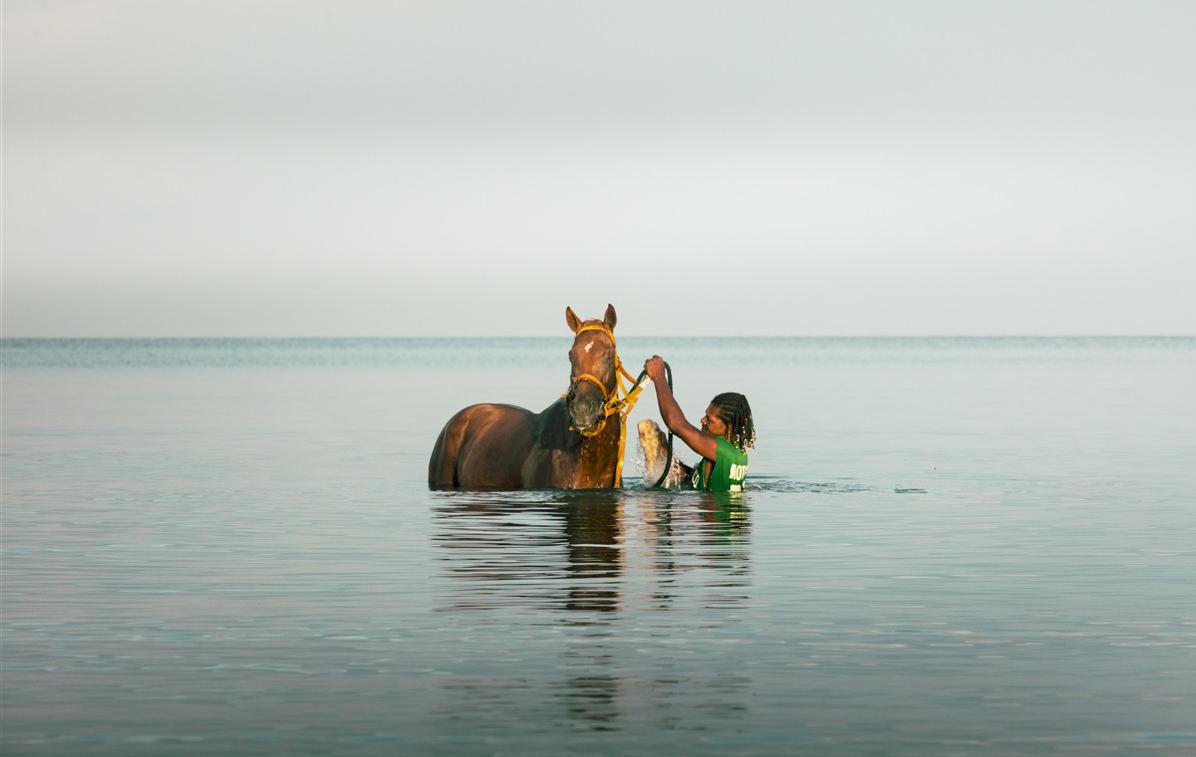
{"x": 697, "y": 439}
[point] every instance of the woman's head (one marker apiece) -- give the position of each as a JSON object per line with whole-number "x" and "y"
{"x": 730, "y": 416}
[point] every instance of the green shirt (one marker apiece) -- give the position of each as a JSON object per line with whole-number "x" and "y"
{"x": 728, "y": 473}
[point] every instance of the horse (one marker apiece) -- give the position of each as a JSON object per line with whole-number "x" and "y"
{"x": 568, "y": 445}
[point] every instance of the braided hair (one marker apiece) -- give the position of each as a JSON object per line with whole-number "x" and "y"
{"x": 734, "y": 410}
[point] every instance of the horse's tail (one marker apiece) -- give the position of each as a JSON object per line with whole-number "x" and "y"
{"x": 442, "y": 466}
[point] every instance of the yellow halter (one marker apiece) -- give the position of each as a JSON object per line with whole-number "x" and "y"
{"x": 612, "y": 403}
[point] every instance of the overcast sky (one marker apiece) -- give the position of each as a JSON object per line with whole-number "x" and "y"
{"x": 299, "y": 168}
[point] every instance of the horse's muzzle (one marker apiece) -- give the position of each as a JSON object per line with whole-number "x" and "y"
{"x": 584, "y": 411}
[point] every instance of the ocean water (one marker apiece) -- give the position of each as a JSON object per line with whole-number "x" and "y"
{"x": 947, "y": 546}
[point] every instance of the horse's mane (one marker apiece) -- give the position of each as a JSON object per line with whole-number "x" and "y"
{"x": 552, "y": 428}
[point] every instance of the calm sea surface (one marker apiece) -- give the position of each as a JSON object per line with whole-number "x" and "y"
{"x": 948, "y": 546}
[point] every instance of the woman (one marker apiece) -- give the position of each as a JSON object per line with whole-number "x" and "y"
{"x": 726, "y": 435}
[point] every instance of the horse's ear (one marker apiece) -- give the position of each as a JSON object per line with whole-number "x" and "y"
{"x": 610, "y": 317}
{"x": 572, "y": 319}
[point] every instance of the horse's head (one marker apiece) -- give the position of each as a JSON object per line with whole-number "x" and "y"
{"x": 592, "y": 378}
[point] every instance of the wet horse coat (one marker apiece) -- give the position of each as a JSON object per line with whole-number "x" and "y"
{"x": 496, "y": 446}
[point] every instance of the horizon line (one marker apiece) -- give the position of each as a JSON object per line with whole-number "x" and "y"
{"x": 1156, "y": 335}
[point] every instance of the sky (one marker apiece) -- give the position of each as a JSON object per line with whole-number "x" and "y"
{"x": 299, "y": 168}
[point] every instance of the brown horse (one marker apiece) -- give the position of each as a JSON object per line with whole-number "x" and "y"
{"x": 569, "y": 445}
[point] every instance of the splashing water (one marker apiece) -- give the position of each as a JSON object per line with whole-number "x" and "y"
{"x": 653, "y": 447}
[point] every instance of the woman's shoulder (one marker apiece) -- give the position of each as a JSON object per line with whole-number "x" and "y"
{"x": 730, "y": 451}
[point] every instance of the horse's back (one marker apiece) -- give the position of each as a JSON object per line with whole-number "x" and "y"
{"x": 482, "y": 446}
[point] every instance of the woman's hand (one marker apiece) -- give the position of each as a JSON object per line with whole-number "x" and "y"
{"x": 655, "y": 368}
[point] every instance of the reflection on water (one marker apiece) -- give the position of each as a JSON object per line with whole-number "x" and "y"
{"x": 599, "y": 565}
{"x": 570, "y": 550}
